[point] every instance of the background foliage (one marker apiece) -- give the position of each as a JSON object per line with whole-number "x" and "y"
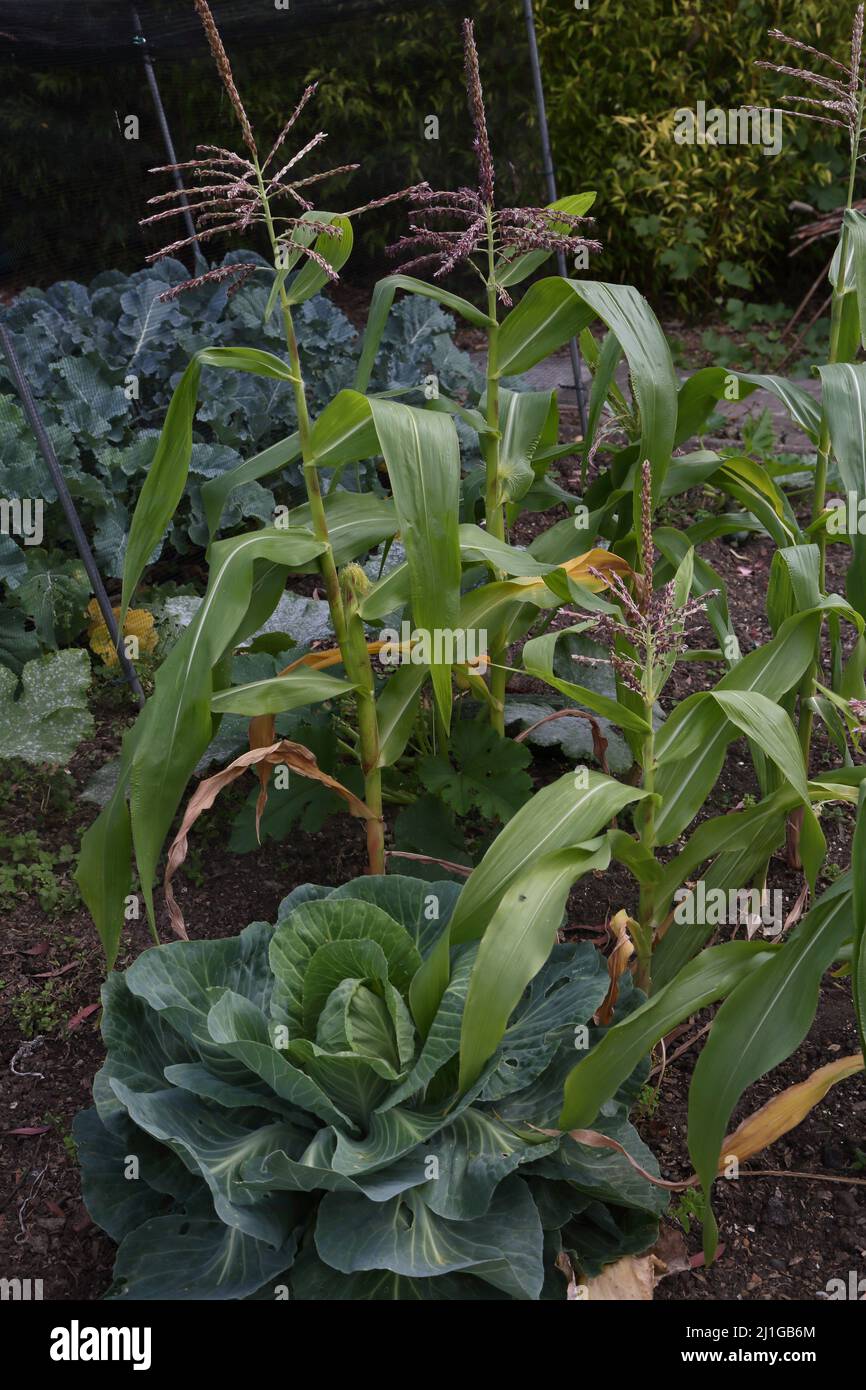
{"x": 689, "y": 220}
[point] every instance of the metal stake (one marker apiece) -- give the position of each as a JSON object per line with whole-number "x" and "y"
{"x": 47, "y": 451}
{"x": 141, "y": 42}
{"x": 550, "y": 180}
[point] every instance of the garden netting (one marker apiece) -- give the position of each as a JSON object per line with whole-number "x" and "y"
{"x": 75, "y": 31}
{"x": 76, "y": 181}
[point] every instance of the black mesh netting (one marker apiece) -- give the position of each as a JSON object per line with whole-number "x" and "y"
{"x": 75, "y": 182}
{"x": 43, "y": 32}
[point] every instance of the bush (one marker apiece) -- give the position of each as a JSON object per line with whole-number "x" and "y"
{"x": 689, "y": 218}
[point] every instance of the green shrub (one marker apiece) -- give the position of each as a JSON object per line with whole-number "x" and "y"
{"x": 690, "y": 218}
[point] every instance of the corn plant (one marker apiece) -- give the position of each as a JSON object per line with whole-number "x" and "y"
{"x": 838, "y": 93}
{"x": 439, "y": 580}
{"x": 514, "y": 901}
{"x": 768, "y": 988}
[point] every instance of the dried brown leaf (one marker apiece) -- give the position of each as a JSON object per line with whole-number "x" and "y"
{"x": 619, "y": 927}
{"x": 283, "y": 753}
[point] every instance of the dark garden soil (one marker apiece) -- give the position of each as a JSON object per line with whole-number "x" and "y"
{"x": 784, "y": 1234}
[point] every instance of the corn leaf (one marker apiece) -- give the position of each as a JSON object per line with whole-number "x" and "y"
{"x": 166, "y": 479}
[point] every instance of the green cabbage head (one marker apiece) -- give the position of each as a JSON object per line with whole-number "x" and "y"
{"x": 270, "y": 1124}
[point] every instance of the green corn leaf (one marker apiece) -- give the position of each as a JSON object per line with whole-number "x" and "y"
{"x": 311, "y": 277}
{"x": 280, "y": 693}
{"x": 477, "y": 544}
{"x": 690, "y": 470}
{"x": 603, "y": 382}
{"x": 548, "y": 315}
{"x": 750, "y": 484}
{"x": 699, "y": 395}
{"x": 844, "y": 398}
{"x": 600, "y": 1074}
{"x": 523, "y": 416}
{"x": 166, "y": 479}
{"x": 794, "y": 583}
{"x": 518, "y": 270}
{"x": 397, "y": 709}
{"x": 560, "y": 816}
{"x": 516, "y": 943}
{"x": 721, "y": 834}
{"x": 216, "y": 491}
{"x": 357, "y": 522}
{"x": 675, "y": 546}
{"x": 767, "y": 724}
{"x": 858, "y": 906}
{"x": 380, "y": 308}
{"x": 103, "y": 872}
{"x": 344, "y": 432}
{"x": 538, "y": 657}
{"x": 387, "y": 595}
{"x": 554, "y": 310}
{"x": 854, "y": 224}
{"x": 759, "y": 1025}
{"x": 690, "y": 746}
{"x": 179, "y": 727}
{"x": 422, "y": 455}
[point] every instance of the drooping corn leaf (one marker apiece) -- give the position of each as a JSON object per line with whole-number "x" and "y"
{"x": 166, "y": 479}
{"x": 560, "y": 816}
{"x": 516, "y": 943}
{"x": 422, "y": 455}
{"x": 760, "y": 1024}
{"x": 553, "y": 310}
{"x": 380, "y": 308}
{"x": 601, "y": 1073}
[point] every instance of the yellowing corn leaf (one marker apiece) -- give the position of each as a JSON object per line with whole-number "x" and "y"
{"x": 285, "y": 753}
{"x": 138, "y": 624}
{"x": 578, "y": 569}
{"x": 785, "y": 1111}
{"x": 332, "y": 656}
{"x": 768, "y": 1124}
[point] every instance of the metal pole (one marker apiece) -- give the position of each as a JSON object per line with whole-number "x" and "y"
{"x": 47, "y": 451}
{"x": 141, "y": 41}
{"x": 550, "y": 180}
